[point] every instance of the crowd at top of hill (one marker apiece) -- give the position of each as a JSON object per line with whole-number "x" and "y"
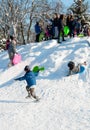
{"x": 54, "y": 28}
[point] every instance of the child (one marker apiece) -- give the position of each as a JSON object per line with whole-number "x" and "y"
{"x": 74, "y": 69}
{"x": 31, "y": 82}
{"x": 11, "y": 49}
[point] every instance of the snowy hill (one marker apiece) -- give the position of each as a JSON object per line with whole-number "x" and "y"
{"x": 65, "y": 101}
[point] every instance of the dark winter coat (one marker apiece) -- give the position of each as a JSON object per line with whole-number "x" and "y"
{"x": 7, "y": 44}
{"x": 30, "y": 78}
{"x": 11, "y": 49}
{"x": 55, "y": 22}
{"x": 60, "y": 24}
{"x": 78, "y": 25}
{"x": 72, "y": 24}
{"x": 37, "y": 29}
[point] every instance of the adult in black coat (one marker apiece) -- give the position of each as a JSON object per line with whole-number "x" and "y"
{"x": 61, "y": 28}
{"x": 55, "y": 24}
{"x": 72, "y": 26}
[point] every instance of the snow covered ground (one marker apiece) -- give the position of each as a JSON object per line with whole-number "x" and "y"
{"x": 65, "y": 101}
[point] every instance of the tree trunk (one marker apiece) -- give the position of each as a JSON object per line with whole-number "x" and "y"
{"x": 22, "y": 34}
{"x": 28, "y": 32}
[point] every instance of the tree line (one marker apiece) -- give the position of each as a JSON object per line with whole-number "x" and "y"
{"x": 17, "y": 17}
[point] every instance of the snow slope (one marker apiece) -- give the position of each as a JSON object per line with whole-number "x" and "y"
{"x": 65, "y": 101}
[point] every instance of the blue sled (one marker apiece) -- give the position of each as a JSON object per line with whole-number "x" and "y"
{"x": 82, "y": 69}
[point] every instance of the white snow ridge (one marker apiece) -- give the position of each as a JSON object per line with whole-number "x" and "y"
{"x": 65, "y": 101}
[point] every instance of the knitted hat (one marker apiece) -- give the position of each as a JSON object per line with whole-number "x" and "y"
{"x": 27, "y": 68}
{"x": 71, "y": 65}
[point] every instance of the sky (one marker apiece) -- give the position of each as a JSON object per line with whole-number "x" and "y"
{"x": 65, "y": 101}
{"x": 67, "y": 3}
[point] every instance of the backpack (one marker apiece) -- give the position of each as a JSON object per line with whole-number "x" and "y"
{"x": 7, "y": 44}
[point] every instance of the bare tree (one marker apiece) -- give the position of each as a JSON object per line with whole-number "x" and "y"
{"x": 79, "y": 7}
{"x": 39, "y": 9}
{"x": 17, "y": 17}
{"x": 57, "y": 6}
{"x": 12, "y": 13}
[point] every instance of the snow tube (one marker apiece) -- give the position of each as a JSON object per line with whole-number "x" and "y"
{"x": 66, "y": 30}
{"x": 16, "y": 59}
{"x": 37, "y": 69}
{"x": 82, "y": 69}
{"x": 41, "y": 36}
{"x": 81, "y": 35}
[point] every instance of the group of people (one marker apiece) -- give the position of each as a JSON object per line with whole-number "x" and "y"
{"x": 29, "y": 75}
{"x": 54, "y": 28}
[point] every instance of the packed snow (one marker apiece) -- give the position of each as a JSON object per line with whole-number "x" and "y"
{"x": 65, "y": 100}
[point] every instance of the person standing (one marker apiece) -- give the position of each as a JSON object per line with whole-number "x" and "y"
{"x": 37, "y": 31}
{"x": 72, "y": 26}
{"x": 61, "y": 28}
{"x": 11, "y": 49}
{"x": 55, "y": 24}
